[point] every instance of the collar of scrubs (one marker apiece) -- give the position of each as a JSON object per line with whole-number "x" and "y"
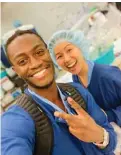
{"x": 90, "y": 70}
{"x": 56, "y": 108}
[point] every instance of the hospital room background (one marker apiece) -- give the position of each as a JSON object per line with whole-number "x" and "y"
{"x": 100, "y": 22}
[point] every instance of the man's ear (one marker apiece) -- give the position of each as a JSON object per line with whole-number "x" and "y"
{"x": 15, "y": 70}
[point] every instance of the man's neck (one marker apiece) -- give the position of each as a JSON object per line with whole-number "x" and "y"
{"x": 50, "y": 93}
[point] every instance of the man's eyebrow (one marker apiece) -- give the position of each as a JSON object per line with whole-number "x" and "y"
{"x": 36, "y": 46}
{"x": 19, "y": 55}
{"x": 23, "y": 53}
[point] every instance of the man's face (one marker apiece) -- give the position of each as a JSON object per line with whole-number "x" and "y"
{"x": 31, "y": 60}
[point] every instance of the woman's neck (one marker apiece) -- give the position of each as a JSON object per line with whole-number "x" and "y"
{"x": 83, "y": 75}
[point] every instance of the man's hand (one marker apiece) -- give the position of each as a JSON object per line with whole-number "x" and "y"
{"x": 82, "y": 125}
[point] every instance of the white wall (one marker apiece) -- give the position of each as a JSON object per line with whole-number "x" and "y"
{"x": 47, "y": 17}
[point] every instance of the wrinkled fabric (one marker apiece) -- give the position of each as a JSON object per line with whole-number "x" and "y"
{"x": 105, "y": 87}
{"x": 18, "y": 130}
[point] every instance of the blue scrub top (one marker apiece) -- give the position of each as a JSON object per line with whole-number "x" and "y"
{"x": 105, "y": 87}
{"x": 18, "y": 130}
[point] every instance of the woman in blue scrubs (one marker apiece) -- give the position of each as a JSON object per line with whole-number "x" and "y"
{"x": 69, "y": 50}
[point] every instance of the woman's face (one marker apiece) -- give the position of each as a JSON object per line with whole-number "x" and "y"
{"x": 69, "y": 57}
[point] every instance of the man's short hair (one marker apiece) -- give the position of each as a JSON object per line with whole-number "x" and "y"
{"x": 22, "y": 32}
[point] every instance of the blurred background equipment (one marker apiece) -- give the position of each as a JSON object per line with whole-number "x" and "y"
{"x": 100, "y": 22}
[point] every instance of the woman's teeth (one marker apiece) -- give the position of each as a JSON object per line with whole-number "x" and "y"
{"x": 39, "y": 74}
{"x": 71, "y": 65}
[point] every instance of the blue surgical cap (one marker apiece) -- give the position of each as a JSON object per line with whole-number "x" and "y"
{"x": 75, "y": 37}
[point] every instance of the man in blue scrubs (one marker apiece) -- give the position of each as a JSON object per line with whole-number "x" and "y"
{"x": 81, "y": 133}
